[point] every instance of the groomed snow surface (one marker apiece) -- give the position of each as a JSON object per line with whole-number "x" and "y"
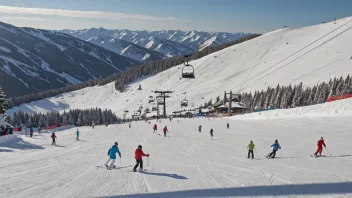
{"x": 186, "y": 163}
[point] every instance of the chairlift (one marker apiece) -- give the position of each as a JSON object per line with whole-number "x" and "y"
{"x": 184, "y": 103}
{"x": 147, "y": 110}
{"x": 160, "y": 101}
{"x": 187, "y": 70}
{"x": 151, "y": 99}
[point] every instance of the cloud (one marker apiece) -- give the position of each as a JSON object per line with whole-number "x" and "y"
{"x": 83, "y": 14}
{"x": 35, "y": 19}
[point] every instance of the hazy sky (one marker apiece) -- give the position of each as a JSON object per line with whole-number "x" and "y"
{"x": 256, "y": 16}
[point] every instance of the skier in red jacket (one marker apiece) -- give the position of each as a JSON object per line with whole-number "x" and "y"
{"x": 155, "y": 127}
{"x": 138, "y": 155}
{"x": 320, "y": 144}
{"x": 53, "y": 136}
{"x": 165, "y": 130}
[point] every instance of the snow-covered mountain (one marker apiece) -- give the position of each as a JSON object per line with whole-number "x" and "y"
{"x": 168, "y": 42}
{"x": 33, "y": 60}
{"x": 285, "y": 56}
{"x": 197, "y": 39}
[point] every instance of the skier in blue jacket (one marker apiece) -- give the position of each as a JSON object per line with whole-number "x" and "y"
{"x": 112, "y": 156}
{"x": 276, "y": 146}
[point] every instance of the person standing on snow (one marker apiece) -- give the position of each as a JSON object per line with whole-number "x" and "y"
{"x": 200, "y": 129}
{"x": 165, "y": 130}
{"x": 31, "y": 132}
{"x": 110, "y": 163}
{"x": 138, "y": 156}
{"x": 250, "y": 149}
{"x": 228, "y": 125}
{"x": 211, "y": 133}
{"x": 320, "y": 144}
{"x": 276, "y": 146}
{"x": 53, "y": 137}
{"x": 77, "y": 135}
{"x": 155, "y": 127}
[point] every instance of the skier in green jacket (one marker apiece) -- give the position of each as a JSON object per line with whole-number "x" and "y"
{"x": 77, "y": 135}
{"x": 250, "y": 149}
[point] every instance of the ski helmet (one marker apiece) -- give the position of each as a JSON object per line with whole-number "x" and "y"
{"x": 139, "y": 146}
{"x": 116, "y": 143}
{"x": 322, "y": 138}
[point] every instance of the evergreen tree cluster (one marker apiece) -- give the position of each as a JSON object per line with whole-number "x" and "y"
{"x": 296, "y": 96}
{"x": 75, "y": 117}
{"x": 3, "y": 102}
{"x": 128, "y": 76}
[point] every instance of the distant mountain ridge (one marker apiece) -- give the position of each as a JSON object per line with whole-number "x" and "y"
{"x": 34, "y": 60}
{"x": 156, "y": 44}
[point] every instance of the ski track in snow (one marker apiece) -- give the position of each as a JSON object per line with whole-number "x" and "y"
{"x": 184, "y": 160}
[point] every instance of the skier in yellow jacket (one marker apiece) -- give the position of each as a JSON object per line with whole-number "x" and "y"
{"x": 250, "y": 149}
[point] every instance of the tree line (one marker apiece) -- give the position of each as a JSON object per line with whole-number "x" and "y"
{"x": 289, "y": 96}
{"x": 77, "y": 117}
{"x": 128, "y": 76}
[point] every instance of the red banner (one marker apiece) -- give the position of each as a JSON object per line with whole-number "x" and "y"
{"x": 334, "y": 98}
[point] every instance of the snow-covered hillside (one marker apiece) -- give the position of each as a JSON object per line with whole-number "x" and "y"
{"x": 186, "y": 163}
{"x": 167, "y": 42}
{"x": 286, "y": 56}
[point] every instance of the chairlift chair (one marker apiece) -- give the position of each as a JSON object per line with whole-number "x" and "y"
{"x": 151, "y": 99}
{"x": 160, "y": 101}
{"x": 126, "y": 111}
{"x": 187, "y": 70}
{"x": 184, "y": 103}
{"x": 154, "y": 108}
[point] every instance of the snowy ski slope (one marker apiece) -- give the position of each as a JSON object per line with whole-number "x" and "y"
{"x": 185, "y": 163}
{"x": 307, "y": 54}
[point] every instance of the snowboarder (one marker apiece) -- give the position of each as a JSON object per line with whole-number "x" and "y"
{"x": 31, "y": 132}
{"x": 165, "y": 130}
{"x": 110, "y": 163}
{"x": 53, "y": 137}
{"x": 77, "y": 135}
{"x": 250, "y": 149}
{"x": 211, "y": 133}
{"x": 228, "y": 125}
{"x": 276, "y": 146}
{"x": 155, "y": 127}
{"x": 200, "y": 129}
{"x": 320, "y": 144}
{"x": 138, "y": 156}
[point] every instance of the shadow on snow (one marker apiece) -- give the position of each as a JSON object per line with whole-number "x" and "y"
{"x": 22, "y": 145}
{"x": 174, "y": 176}
{"x": 257, "y": 191}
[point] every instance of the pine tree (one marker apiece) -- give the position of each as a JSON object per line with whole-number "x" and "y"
{"x": 3, "y": 102}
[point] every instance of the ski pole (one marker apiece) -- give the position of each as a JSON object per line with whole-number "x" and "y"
{"x": 281, "y": 153}
{"x": 328, "y": 151}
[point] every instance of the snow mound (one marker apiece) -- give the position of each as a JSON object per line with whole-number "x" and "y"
{"x": 9, "y": 139}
